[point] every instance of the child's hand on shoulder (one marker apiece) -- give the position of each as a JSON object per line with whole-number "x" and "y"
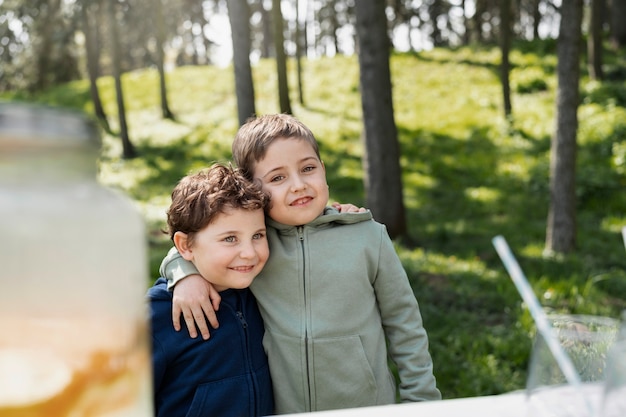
{"x": 348, "y": 208}
{"x": 196, "y": 300}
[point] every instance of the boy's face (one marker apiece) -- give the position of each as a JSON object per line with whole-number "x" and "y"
{"x": 231, "y": 250}
{"x": 295, "y": 178}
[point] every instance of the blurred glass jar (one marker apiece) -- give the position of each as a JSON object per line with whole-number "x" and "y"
{"x": 73, "y": 271}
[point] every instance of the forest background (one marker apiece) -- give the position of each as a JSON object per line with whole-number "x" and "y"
{"x": 476, "y": 111}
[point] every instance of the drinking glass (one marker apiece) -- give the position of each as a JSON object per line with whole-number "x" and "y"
{"x": 614, "y": 396}
{"x": 586, "y": 341}
{"x": 613, "y": 403}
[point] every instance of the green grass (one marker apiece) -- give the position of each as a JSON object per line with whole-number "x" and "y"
{"x": 468, "y": 176}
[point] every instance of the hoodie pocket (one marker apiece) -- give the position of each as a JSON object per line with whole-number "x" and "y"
{"x": 342, "y": 376}
{"x": 227, "y": 397}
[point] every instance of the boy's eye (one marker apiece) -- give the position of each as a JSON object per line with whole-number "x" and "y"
{"x": 230, "y": 239}
{"x": 259, "y": 235}
{"x": 308, "y": 168}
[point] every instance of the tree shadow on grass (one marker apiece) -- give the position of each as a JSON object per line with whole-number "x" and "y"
{"x": 458, "y": 199}
{"x": 455, "y": 199}
{"x": 164, "y": 165}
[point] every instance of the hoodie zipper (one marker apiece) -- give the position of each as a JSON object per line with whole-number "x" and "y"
{"x": 300, "y": 230}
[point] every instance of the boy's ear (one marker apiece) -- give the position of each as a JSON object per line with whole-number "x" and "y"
{"x": 181, "y": 241}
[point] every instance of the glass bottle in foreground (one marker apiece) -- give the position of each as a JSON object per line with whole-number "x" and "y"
{"x": 73, "y": 271}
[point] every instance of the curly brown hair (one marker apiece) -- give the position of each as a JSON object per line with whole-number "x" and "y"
{"x": 198, "y": 198}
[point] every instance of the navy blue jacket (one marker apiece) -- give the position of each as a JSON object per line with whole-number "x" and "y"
{"x": 227, "y": 375}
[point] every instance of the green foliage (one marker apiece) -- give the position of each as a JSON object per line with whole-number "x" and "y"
{"x": 538, "y": 47}
{"x": 468, "y": 176}
{"x": 607, "y": 94}
{"x": 528, "y": 80}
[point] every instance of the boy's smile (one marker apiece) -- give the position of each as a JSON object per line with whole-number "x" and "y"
{"x": 301, "y": 201}
{"x": 295, "y": 178}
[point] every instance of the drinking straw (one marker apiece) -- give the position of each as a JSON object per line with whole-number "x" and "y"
{"x": 624, "y": 234}
{"x": 536, "y": 311}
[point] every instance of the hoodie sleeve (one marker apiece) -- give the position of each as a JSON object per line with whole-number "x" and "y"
{"x": 402, "y": 320}
{"x": 174, "y": 268}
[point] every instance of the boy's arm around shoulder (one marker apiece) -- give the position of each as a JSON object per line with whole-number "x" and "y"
{"x": 193, "y": 297}
{"x": 402, "y": 320}
{"x": 174, "y": 268}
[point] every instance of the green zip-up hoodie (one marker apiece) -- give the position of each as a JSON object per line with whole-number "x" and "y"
{"x": 336, "y": 303}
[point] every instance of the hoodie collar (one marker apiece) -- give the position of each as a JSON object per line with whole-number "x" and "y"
{"x": 330, "y": 215}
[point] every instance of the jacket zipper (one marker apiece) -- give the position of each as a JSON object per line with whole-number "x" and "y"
{"x": 244, "y": 325}
{"x": 300, "y": 230}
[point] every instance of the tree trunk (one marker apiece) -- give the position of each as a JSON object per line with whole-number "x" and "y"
{"x": 505, "y": 45}
{"x": 160, "y": 39}
{"x": 618, "y": 28}
{"x": 239, "y": 17}
{"x": 281, "y": 59}
{"x": 334, "y": 26}
{"x": 561, "y": 228}
{"x": 594, "y": 40}
{"x": 299, "y": 47}
{"x": 266, "y": 22}
{"x": 477, "y": 22}
{"x": 128, "y": 150}
{"x": 435, "y": 10}
{"x": 45, "y": 27}
{"x": 383, "y": 180}
{"x": 93, "y": 58}
{"x": 466, "y": 22}
{"x": 536, "y": 19}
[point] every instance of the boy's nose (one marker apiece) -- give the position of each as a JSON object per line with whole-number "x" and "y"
{"x": 247, "y": 251}
{"x": 297, "y": 183}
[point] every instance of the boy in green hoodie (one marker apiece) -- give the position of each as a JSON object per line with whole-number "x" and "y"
{"x": 334, "y": 297}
